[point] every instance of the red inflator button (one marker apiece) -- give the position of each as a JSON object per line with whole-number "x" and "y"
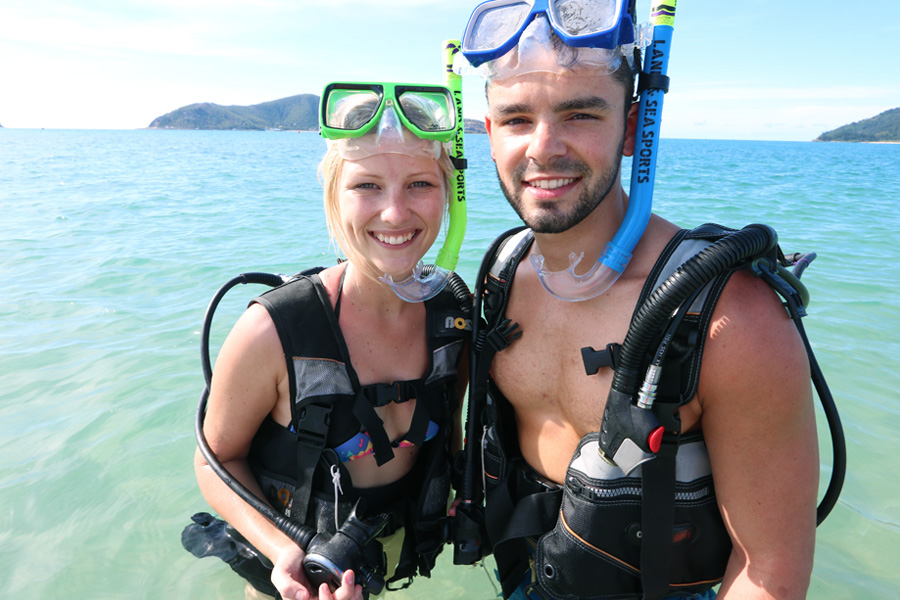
{"x": 655, "y": 439}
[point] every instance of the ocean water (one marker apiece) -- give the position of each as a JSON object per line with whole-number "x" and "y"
{"x": 113, "y": 242}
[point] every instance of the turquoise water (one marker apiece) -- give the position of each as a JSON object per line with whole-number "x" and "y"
{"x": 113, "y": 242}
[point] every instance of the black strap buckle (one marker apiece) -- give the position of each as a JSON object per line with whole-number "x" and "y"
{"x": 313, "y": 424}
{"x": 460, "y": 164}
{"x": 595, "y": 359}
{"x": 382, "y": 394}
{"x": 500, "y": 337}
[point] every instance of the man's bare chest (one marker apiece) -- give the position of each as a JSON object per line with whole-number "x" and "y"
{"x": 543, "y": 372}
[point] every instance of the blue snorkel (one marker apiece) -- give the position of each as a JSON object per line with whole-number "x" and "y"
{"x": 653, "y": 84}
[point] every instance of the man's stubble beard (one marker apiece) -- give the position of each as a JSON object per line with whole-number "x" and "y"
{"x": 548, "y": 218}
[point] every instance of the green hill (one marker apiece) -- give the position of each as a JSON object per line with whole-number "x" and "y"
{"x": 294, "y": 113}
{"x": 880, "y": 128}
{"x": 474, "y": 126}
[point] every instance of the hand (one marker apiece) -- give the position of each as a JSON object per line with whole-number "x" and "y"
{"x": 291, "y": 582}
{"x": 347, "y": 591}
{"x": 452, "y": 510}
{"x": 288, "y": 576}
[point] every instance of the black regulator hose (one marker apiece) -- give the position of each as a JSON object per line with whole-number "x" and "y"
{"x": 624, "y": 421}
{"x": 833, "y": 418}
{"x": 269, "y": 279}
{"x": 457, "y": 287}
{"x": 727, "y": 253}
{"x": 300, "y": 534}
{"x": 469, "y": 541}
{"x": 629, "y": 434}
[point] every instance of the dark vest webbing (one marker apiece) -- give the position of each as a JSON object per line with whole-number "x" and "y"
{"x": 328, "y": 404}
{"x": 536, "y": 513}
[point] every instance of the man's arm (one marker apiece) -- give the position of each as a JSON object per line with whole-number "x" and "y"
{"x": 759, "y": 423}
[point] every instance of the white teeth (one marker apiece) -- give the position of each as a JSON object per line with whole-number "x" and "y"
{"x": 394, "y": 240}
{"x": 551, "y": 184}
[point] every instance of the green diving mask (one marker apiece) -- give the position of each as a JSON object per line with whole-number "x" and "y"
{"x": 404, "y": 118}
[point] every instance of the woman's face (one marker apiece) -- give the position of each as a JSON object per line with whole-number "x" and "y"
{"x": 391, "y": 207}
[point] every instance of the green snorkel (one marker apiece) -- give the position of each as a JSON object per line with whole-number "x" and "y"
{"x": 448, "y": 255}
{"x": 426, "y": 282}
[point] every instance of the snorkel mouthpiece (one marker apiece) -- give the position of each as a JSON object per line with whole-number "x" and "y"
{"x": 566, "y": 285}
{"x": 419, "y": 286}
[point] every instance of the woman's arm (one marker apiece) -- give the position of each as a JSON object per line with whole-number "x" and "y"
{"x": 250, "y": 382}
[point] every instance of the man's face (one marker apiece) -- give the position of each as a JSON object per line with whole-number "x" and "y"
{"x": 557, "y": 142}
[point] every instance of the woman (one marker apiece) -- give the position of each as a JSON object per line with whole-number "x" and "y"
{"x": 331, "y": 389}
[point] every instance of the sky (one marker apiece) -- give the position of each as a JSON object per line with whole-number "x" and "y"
{"x": 760, "y": 70}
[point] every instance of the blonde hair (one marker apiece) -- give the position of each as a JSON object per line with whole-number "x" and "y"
{"x": 330, "y": 170}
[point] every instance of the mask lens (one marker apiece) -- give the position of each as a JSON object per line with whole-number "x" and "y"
{"x": 495, "y": 25}
{"x": 584, "y": 17}
{"x": 351, "y": 109}
{"x": 428, "y": 111}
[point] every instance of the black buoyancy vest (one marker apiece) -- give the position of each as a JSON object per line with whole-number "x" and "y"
{"x": 294, "y": 467}
{"x": 516, "y": 508}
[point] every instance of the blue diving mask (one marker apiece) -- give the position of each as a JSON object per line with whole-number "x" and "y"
{"x": 496, "y": 26}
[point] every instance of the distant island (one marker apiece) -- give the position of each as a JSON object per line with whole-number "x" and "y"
{"x": 295, "y": 113}
{"x": 880, "y": 128}
{"x": 474, "y": 126}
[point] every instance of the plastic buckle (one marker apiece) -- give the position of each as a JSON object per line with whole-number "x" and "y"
{"x": 595, "y": 359}
{"x": 460, "y": 164}
{"x": 382, "y": 394}
{"x": 501, "y": 336}
{"x": 313, "y": 424}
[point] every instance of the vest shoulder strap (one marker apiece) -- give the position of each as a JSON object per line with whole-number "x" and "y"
{"x": 300, "y": 310}
{"x": 681, "y": 375}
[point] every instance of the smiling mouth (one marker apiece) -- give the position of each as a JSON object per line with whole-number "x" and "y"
{"x": 394, "y": 240}
{"x": 551, "y": 184}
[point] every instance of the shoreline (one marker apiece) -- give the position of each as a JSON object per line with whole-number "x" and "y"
{"x": 854, "y": 142}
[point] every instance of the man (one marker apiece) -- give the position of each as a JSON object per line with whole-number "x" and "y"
{"x": 558, "y": 129}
